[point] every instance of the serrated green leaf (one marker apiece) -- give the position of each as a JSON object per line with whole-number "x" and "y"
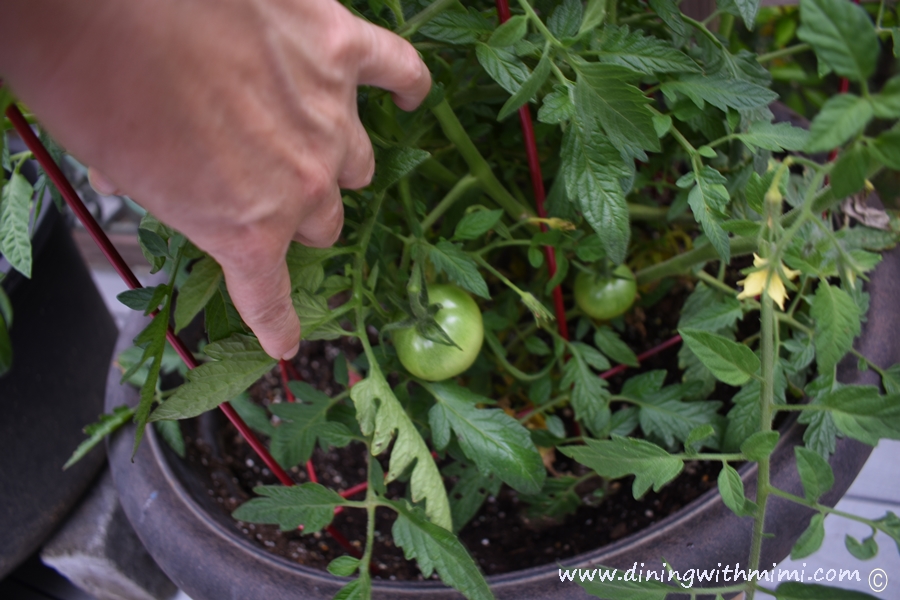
{"x": 842, "y": 35}
{"x": 394, "y": 163}
{"x": 864, "y": 550}
{"x": 811, "y": 539}
{"x": 794, "y": 590}
{"x": 662, "y": 411}
{"x": 848, "y": 175}
{"x": 310, "y": 505}
{"x": 152, "y": 243}
{"x": 239, "y": 362}
{"x": 436, "y": 549}
{"x": 557, "y": 106}
{"x": 708, "y": 199}
{"x": 720, "y": 91}
{"x": 667, "y": 10}
{"x": 646, "y": 54}
{"x": 196, "y": 291}
{"x": 730, "y": 362}
{"x": 862, "y": 413}
{"x": 380, "y": 414}
{"x": 607, "y": 584}
{"x": 170, "y": 431}
{"x": 294, "y": 440}
{"x": 698, "y": 435}
{"x": 510, "y": 32}
{"x": 590, "y": 400}
{"x": 731, "y": 487}
{"x": 603, "y": 97}
{"x": 593, "y": 172}
{"x": 591, "y": 356}
{"x": 760, "y": 445}
{"x": 221, "y": 318}
{"x": 15, "y": 211}
{"x": 618, "y": 457}
{"x": 153, "y": 340}
{"x": 97, "y": 432}
{"x": 503, "y": 66}
{"x": 469, "y": 492}
{"x": 458, "y": 26}
{"x": 743, "y": 418}
{"x": 837, "y": 323}
{"x": 842, "y": 117}
{"x": 475, "y": 224}
{"x": 557, "y": 499}
{"x": 886, "y": 149}
{"x": 529, "y": 87}
{"x": 886, "y": 103}
{"x": 496, "y": 442}
{"x": 565, "y": 19}
{"x": 144, "y": 299}
{"x": 594, "y": 14}
{"x": 775, "y": 136}
{"x": 343, "y": 566}
{"x": 609, "y": 342}
{"x": 747, "y": 10}
{"x": 710, "y": 310}
{"x": 459, "y": 267}
{"x": 254, "y": 415}
{"x": 890, "y": 524}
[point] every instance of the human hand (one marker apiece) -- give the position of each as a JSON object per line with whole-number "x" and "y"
{"x": 234, "y": 122}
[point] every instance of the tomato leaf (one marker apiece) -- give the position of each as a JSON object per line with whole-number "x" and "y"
{"x": 610, "y": 344}
{"x": 837, "y": 323}
{"x": 842, "y": 36}
{"x": 590, "y": 399}
{"x": 618, "y": 457}
{"x": 815, "y": 473}
{"x": 731, "y": 487}
{"x": 468, "y": 494}
{"x": 294, "y": 440}
{"x": 861, "y": 413}
{"x": 380, "y": 414}
{"x": 475, "y": 224}
{"x": 196, "y": 291}
{"x": 760, "y": 445}
{"x": 238, "y": 362}
{"x": 458, "y": 26}
{"x": 529, "y": 87}
{"x": 97, "y": 432}
{"x": 842, "y": 117}
{"x": 776, "y": 137}
{"x": 459, "y": 266}
{"x": 646, "y": 54}
{"x": 309, "y": 504}
{"x": 436, "y": 549}
{"x": 394, "y": 163}
{"x": 730, "y": 362}
{"x": 794, "y": 590}
{"x": 496, "y": 442}
{"x": 811, "y": 538}
{"x": 343, "y": 566}
{"x": 864, "y": 550}
{"x": 503, "y": 66}
{"x": 510, "y": 32}
{"x": 254, "y": 415}
{"x": 719, "y": 90}
{"x": 15, "y": 211}
{"x": 557, "y": 499}
{"x": 708, "y": 200}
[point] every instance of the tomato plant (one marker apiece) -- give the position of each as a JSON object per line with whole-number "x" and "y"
{"x": 460, "y": 318}
{"x": 606, "y": 296}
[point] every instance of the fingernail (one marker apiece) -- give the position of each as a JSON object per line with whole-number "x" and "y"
{"x": 293, "y": 351}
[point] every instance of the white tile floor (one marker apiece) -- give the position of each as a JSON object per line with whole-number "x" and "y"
{"x": 875, "y": 491}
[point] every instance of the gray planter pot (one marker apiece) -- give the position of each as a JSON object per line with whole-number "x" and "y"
{"x": 197, "y": 545}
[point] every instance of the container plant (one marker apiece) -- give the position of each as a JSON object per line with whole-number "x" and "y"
{"x": 665, "y": 170}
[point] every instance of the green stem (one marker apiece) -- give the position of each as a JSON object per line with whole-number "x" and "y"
{"x": 871, "y": 365}
{"x": 683, "y": 263}
{"x": 612, "y": 11}
{"x": 714, "y": 282}
{"x": 428, "y": 13}
{"x": 488, "y": 267}
{"x": 823, "y": 508}
{"x": 767, "y": 402}
{"x": 478, "y": 166}
{"x": 736, "y": 457}
{"x": 514, "y": 371}
{"x": 503, "y": 244}
{"x": 458, "y": 191}
{"x": 544, "y": 407}
{"x": 776, "y": 54}
{"x": 539, "y": 24}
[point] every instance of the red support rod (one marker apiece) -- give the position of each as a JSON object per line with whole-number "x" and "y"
{"x": 537, "y": 184}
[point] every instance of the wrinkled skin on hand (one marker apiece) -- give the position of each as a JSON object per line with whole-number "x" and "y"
{"x": 233, "y": 121}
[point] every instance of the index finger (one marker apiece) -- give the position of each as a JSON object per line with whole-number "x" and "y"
{"x": 391, "y": 63}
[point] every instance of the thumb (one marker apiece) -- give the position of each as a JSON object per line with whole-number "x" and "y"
{"x": 261, "y": 291}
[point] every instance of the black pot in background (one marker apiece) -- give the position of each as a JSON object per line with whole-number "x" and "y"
{"x": 199, "y": 548}
{"x": 62, "y": 339}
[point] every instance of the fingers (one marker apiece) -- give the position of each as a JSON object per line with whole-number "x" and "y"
{"x": 321, "y": 227}
{"x": 391, "y": 63}
{"x": 260, "y": 287}
{"x": 359, "y": 163}
{"x": 101, "y": 183}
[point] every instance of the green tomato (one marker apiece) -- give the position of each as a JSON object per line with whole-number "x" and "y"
{"x": 460, "y": 317}
{"x": 606, "y": 297}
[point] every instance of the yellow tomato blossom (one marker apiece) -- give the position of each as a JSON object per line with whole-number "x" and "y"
{"x": 755, "y": 282}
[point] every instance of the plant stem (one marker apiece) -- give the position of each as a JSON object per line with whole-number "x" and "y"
{"x": 478, "y": 166}
{"x": 767, "y": 402}
{"x": 682, "y": 263}
{"x": 540, "y": 24}
{"x": 776, "y": 54}
{"x": 823, "y": 508}
{"x": 428, "y": 13}
{"x": 514, "y": 371}
{"x": 544, "y": 407}
{"x": 458, "y": 191}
